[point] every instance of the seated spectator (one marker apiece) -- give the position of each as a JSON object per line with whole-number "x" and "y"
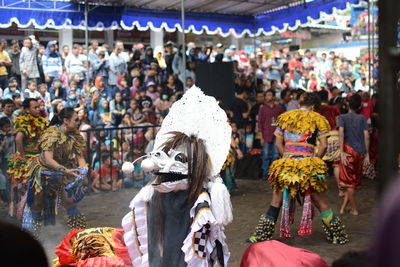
{"x": 133, "y": 104}
{"x": 57, "y": 92}
{"x": 16, "y": 98}
{"x": 122, "y": 87}
{"x": 45, "y": 96}
{"x": 56, "y": 107}
{"x": 104, "y": 113}
{"x": 72, "y": 99}
{"x": 144, "y": 101}
{"x": 247, "y": 139}
{"x": 163, "y": 104}
{"x": 126, "y": 122}
{"x": 102, "y": 87}
{"x": 84, "y": 125}
{"x": 10, "y": 90}
{"x": 189, "y": 83}
{"x": 136, "y": 179}
{"x": 152, "y": 93}
{"x": 106, "y": 177}
{"x": 92, "y": 104}
{"x": 138, "y": 117}
{"x": 136, "y": 86}
{"x": 31, "y": 91}
{"x": 117, "y": 108}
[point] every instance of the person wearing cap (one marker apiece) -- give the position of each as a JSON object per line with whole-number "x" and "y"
{"x": 274, "y": 67}
{"x": 169, "y": 57}
{"x": 361, "y": 85}
{"x": 5, "y": 62}
{"x": 230, "y": 54}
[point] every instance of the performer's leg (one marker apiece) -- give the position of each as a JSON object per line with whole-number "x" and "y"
{"x": 266, "y": 224}
{"x": 344, "y": 203}
{"x": 76, "y": 220}
{"x": 37, "y": 218}
{"x": 332, "y": 225}
{"x": 336, "y": 174}
{"x": 351, "y": 195}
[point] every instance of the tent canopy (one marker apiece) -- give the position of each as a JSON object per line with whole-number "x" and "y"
{"x": 237, "y": 17}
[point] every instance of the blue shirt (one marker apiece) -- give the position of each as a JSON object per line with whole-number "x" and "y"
{"x": 354, "y": 126}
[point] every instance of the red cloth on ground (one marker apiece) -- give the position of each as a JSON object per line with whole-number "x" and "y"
{"x": 350, "y": 175}
{"x": 276, "y": 254}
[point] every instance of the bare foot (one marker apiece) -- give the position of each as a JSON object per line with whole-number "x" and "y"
{"x": 354, "y": 212}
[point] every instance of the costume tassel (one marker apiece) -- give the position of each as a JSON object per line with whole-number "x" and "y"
{"x": 221, "y": 205}
{"x": 285, "y": 220}
{"x": 306, "y": 219}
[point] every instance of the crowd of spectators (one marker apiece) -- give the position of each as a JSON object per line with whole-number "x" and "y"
{"x": 115, "y": 87}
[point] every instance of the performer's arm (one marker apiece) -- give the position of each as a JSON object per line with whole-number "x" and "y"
{"x": 49, "y": 160}
{"x": 280, "y": 145}
{"x": 366, "y": 140}
{"x": 323, "y": 145}
{"x": 19, "y": 140}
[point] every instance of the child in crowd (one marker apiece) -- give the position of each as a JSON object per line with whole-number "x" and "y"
{"x": 354, "y": 148}
{"x": 247, "y": 138}
{"x": 106, "y": 178}
{"x": 136, "y": 179}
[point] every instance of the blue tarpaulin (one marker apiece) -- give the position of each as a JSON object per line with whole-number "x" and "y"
{"x": 49, "y": 14}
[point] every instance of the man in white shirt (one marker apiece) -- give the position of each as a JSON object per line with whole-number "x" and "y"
{"x": 361, "y": 84}
{"x": 122, "y": 53}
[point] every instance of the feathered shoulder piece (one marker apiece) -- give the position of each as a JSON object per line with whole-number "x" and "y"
{"x": 54, "y": 137}
{"x": 302, "y": 121}
{"x": 29, "y": 125}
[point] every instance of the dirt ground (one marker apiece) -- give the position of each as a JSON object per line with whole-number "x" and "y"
{"x": 251, "y": 200}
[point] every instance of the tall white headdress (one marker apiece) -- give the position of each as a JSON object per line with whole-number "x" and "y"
{"x": 199, "y": 115}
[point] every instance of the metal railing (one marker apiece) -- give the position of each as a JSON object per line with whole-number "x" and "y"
{"x": 113, "y": 138}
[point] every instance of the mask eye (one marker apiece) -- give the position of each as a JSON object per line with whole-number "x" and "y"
{"x": 158, "y": 154}
{"x": 181, "y": 158}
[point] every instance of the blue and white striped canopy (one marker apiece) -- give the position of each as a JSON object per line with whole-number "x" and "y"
{"x": 67, "y": 14}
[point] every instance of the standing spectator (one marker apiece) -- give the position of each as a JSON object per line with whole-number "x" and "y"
{"x": 169, "y": 57}
{"x": 94, "y": 45}
{"x": 286, "y": 96}
{"x": 323, "y": 66}
{"x": 308, "y": 61}
{"x": 267, "y": 116}
{"x": 7, "y": 149}
{"x": 274, "y": 67}
{"x": 5, "y": 62}
{"x": 123, "y": 53}
{"x": 100, "y": 66}
{"x": 74, "y": 65}
{"x": 240, "y": 109}
{"x": 354, "y": 146}
{"x": 14, "y": 56}
{"x": 28, "y": 63}
{"x": 31, "y": 91}
{"x": 177, "y": 63}
{"x": 118, "y": 66}
{"x": 52, "y": 64}
{"x": 64, "y": 54}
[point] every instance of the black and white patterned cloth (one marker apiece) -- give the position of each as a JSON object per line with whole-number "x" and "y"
{"x": 200, "y": 240}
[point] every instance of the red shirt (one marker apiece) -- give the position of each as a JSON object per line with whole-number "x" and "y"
{"x": 106, "y": 174}
{"x": 330, "y": 113}
{"x": 266, "y": 121}
{"x": 367, "y": 108}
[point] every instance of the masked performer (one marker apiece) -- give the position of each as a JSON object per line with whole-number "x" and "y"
{"x": 300, "y": 172}
{"x": 178, "y": 219}
{"x": 28, "y": 128}
{"x": 56, "y": 174}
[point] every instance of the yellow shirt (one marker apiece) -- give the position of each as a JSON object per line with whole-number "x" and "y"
{"x": 4, "y": 57}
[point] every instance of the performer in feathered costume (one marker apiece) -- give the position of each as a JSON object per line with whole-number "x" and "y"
{"x": 28, "y": 128}
{"x": 300, "y": 172}
{"x": 56, "y": 174}
{"x": 178, "y": 219}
